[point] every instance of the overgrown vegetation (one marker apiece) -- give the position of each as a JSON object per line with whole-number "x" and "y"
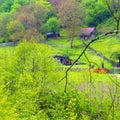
{"x": 32, "y": 86}
{"x": 30, "y": 83}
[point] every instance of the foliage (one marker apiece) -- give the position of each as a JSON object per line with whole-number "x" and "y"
{"x": 24, "y": 75}
{"x": 31, "y": 84}
{"x": 53, "y": 24}
{"x": 34, "y": 15}
{"x": 70, "y": 18}
{"x": 6, "y": 6}
{"x": 4, "y": 20}
{"x": 96, "y": 15}
{"x": 116, "y": 56}
{"x": 30, "y": 17}
{"x": 15, "y": 30}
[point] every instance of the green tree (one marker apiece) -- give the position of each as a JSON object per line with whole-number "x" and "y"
{"x": 34, "y": 74}
{"x": 26, "y": 74}
{"x": 33, "y": 18}
{"x": 15, "y": 30}
{"x": 53, "y": 24}
{"x": 39, "y": 11}
{"x": 15, "y": 7}
{"x": 116, "y": 56}
{"x": 71, "y": 15}
{"x": 45, "y": 3}
{"x": 94, "y": 14}
{"x": 23, "y": 2}
{"x": 114, "y": 8}
{"x": 6, "y": 86}
{"x": 6, "y": 6}
{"x": 27, "y": 19}
{"x": 4, "y": 20}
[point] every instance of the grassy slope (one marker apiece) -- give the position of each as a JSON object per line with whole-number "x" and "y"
{"x": 85, "y": 80}
{"x": 105, "y": 46}
{"x": 76, "y": 76}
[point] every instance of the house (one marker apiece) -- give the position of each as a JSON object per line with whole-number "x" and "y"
{"x": 88, "y": 33}
{"x": 64, "y": 60}
{"x": 53, "y": 35}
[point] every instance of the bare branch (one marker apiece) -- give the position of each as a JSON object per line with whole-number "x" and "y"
{"x": 81, "y": 54}
{"x": 116, "y": 17}
{"x": 111, "y": 10}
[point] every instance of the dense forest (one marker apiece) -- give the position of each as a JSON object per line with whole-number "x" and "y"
{"x": 33, "y": 18}
{"x": 48, "y": 71}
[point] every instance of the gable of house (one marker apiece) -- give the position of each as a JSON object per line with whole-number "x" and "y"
{"x": 88, "y": 33}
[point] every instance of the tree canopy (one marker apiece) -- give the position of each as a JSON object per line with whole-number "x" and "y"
{"x": 53, "y": 24}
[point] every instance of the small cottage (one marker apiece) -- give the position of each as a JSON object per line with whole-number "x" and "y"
{"x": 87, "y": 33}
{"x": 54, "y": 35}
{"x": 64, "y": 60}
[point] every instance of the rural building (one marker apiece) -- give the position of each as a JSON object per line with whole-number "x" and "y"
{"x": 88, "y": 33}
{"x": 53, "y": 35}
{"x": 63, "y": 60}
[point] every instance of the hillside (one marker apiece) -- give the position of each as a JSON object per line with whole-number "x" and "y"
{"x": 100, "y": 18}
{"x": 59, "y": 60}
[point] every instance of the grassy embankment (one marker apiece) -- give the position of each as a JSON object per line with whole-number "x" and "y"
{"x": 94, "y": 98}
{"x": 105, "y": 46}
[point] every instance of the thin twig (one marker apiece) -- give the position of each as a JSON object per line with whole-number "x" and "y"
{"x": 92, "y": 41}
{"x": 111, "y": 12}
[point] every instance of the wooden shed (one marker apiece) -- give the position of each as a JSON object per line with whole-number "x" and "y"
{"x": 87, "y": 33}
{"x": 63, "y": 59}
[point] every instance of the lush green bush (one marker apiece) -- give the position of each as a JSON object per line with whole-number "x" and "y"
{"x": 30, "y": 88}
{"x": 24, "y": 73}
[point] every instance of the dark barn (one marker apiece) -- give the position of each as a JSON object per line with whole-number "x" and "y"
{"x": 54, "y": 35}
{"x": 87, "y": 33}
{"x": 63, "y": 60}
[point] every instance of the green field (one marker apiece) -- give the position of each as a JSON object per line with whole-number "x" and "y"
{"x": 61, "y": 47}
{"x": 106, "y": 46}
{"x": 30, "y": 72}
{"x": 83, "y": 84}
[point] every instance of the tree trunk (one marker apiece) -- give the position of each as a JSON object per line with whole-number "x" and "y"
{"x": 71, "y": 43}
{"x": 72, "y": 34}
{"x": 119, "y": 61}
{"x": 102, "y": 65}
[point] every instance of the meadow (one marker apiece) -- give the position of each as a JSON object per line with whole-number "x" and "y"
{"x": 31, "y": 82}
{"x": 34, "y": 85}
{"x": 106, "y": 46}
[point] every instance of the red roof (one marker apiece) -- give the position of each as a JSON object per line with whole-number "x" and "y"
{"x": 87, "y": 31}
